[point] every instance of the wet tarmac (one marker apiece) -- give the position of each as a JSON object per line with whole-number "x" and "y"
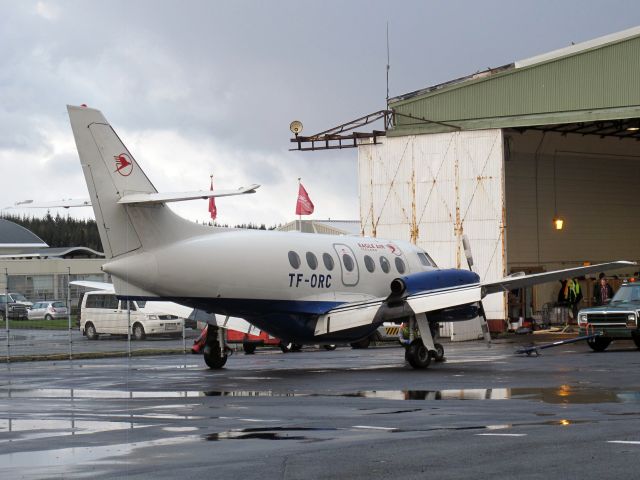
{"x": 485, "y": 413}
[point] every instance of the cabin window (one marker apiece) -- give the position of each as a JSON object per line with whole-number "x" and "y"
{"x": 312, "y": 260}
{"x": 328, "y": 261}
{"x": 294, "y": 259}
{"x": 400, "y": 265}
{"x": 369, "y": 263}
{"x": 384, "y": 264}
{"x": 348, "y": 262}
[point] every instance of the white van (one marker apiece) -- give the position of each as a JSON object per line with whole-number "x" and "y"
{"x": 102, "y": 312}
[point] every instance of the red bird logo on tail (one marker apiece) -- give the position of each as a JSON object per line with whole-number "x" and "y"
{"x": 124, "y": 164}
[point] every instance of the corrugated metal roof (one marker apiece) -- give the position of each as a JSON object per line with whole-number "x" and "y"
{"x": 595, "y": 80}
{"x": 13, "y": 235}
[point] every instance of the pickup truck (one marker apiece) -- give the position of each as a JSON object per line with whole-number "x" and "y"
{"x": 617, "y": 320}
{"x": 16, "y": 311}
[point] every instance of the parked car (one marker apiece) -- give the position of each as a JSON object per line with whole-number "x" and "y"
{"x": 48, "y": 310}
{"x": 16, "y": 311}
{"x": 19, "y": 298}
{"x": 617, "y": 320}
{"x": 102, "y": 312}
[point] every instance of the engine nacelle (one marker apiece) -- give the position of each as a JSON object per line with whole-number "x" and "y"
{"x": 432, "y": 280}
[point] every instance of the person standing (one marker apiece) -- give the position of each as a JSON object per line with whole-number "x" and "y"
{"x": 602, "y": 292}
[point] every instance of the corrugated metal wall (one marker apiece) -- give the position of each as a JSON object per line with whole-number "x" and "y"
{"x": 574, "y": 87}
{"x": 432, "y": 189}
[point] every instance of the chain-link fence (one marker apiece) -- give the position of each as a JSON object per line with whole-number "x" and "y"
{"x": 40, "y": 318}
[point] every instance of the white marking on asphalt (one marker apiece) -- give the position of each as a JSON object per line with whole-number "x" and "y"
{"x": 369, "y": 427}
{"x": 625, "y": 442}
{"x": 250, "y": 419}
{"x": 501, "y": 434}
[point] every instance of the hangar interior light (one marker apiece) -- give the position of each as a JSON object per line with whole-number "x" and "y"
{"x": 558, "y": 223}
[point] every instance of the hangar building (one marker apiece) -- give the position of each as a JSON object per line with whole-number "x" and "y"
{"x": 29, "y": 266}
{"x": 498, "y": 155}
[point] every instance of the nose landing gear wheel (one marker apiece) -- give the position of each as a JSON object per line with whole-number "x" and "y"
{"x": 417, "y": 355}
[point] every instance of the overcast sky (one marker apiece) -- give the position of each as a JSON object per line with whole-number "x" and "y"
{"x": 201, "y": 87}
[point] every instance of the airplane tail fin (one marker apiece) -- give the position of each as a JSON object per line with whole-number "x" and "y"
{"x": 111, "y": 173}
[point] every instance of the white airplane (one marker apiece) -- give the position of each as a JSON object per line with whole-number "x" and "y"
{"x": 305, "y": 289}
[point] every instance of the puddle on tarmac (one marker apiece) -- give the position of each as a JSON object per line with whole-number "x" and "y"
{"x": 82, "y": 455}
{"x": 292, "y": 433}
{"x": 563, "y": 394}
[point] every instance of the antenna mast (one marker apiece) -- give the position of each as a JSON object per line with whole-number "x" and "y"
{"x": 388, "y": 66}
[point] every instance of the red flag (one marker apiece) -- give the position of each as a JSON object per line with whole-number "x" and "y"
{"x": 212, "y": 203}
{"x": 304, "y": 206}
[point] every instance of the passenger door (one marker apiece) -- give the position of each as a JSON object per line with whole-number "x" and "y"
{"x": 348, "y": 264}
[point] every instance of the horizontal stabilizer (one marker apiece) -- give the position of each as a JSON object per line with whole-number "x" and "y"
{"x": 93, "y": 285}
{"x": 156, "y": 198}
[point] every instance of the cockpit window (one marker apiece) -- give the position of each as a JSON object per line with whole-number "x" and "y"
{"x": 312, "y": 261}
{"x": 400, "y": 265}
{"x": 426, "y": 260}
{"x": 369, "y": 263}
{"x": 328, "y": 261}
{"x": 384, "y": 264}
{"x": 294, "y": 259}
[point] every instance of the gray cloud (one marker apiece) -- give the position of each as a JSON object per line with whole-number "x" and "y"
{"x": 226, "y": 78}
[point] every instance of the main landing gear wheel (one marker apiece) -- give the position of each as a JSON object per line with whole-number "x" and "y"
{"x": 286, "y": 347}
{"x": 417, "y": 354}
{"x": 296, "y": 347}
{"x": 249, "y": 348}
{"x": 364, "y": 343}
{"x": 438, "y": 356}
{"x": 636, "y": 340}
{"x": 599, "y": 344}
{"x": 329, "y": 347}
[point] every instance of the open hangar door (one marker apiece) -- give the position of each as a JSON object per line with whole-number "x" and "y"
{"x": 587, "y": 174}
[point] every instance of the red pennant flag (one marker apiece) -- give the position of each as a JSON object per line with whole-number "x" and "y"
{"x": 304, "y": 206}
{"x": 212, "y": 203}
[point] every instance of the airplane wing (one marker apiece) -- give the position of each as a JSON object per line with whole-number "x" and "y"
{"x": 64, "y": 203}
{"x": 405, "y": 302}
{"x": 357, "y": 314}
{"x": 518, "y": 281}
{"x": 155, "y": 198}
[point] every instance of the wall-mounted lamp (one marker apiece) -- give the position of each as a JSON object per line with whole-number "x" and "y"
{"x": 558, "y": 222}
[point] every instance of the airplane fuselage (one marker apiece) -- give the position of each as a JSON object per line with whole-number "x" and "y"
{"x": 280, "y": 281}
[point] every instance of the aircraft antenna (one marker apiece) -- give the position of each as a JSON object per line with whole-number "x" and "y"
{"x": 388, "y": 64}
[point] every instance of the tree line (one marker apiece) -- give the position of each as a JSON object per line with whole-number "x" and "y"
{"x": 67, "y": 231}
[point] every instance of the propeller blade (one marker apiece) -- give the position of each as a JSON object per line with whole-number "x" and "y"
{"x": 467, "y": 252}
{"x": 484, "y": 326}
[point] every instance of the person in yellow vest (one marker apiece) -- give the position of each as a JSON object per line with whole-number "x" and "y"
{"x": 572, "y": 295}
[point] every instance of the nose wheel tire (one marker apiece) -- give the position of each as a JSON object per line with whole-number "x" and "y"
{"x": 215, "y": 361}
{"x": 418, "y": 355}
{"x": 329, "y": 347}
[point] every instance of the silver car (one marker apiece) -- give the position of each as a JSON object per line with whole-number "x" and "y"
{"x": 48, "y": 310}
